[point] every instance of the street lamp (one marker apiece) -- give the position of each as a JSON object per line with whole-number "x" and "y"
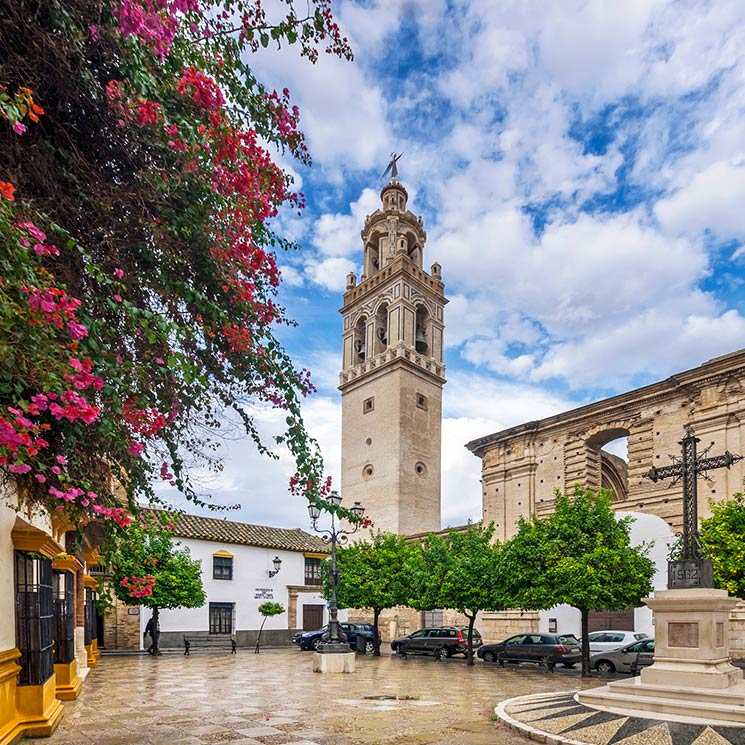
{"x": 277, "y": 565}
{"x": 334, "y": 640}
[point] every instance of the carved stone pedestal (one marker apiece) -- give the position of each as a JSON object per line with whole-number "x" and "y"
{"x": 692, "y": 677}
{"x": 342, "y": 662}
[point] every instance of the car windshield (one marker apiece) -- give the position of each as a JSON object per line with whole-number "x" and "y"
{"x": 568, "y": 639}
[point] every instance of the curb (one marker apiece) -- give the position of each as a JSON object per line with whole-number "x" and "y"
{"x": 525, "y": 729}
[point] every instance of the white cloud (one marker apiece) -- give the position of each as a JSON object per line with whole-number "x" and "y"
{"x": 713, "y": 199}
{"x": 330, "y": 273}
{"x": 339, "y": 234}
{"x": 291, "y": 276}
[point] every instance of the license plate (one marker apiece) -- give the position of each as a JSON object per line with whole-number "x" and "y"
{"x": 574, "y": 649}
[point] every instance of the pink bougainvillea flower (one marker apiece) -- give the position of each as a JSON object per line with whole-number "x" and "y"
{"x": 118, "y": 273}
{"x": 19, "y": 128}
{"x": 117, "y": 298}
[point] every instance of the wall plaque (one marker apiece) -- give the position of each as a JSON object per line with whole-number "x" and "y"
{"x": 133, "y": 611}
{"x": 682, "y": 634}
{"x": 691, "y": 573}
{"x": 264, "y": 593}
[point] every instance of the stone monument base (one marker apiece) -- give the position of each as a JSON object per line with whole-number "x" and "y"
{"x": 691, "y": 675}
{"x": 341, "y": 662}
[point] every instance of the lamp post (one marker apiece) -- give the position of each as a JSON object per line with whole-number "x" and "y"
{"x": 334, "y": 640}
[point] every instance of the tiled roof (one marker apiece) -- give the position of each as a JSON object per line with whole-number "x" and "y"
{"x": 227, "y": 531}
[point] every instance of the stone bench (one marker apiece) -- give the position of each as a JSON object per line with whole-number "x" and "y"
{"x": 209, "y": 642}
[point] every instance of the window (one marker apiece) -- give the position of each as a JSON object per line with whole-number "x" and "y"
{"x": 368, "y": 405}
{"x": 221, "y": 618}
{"x": 64, "y": 617}
{"x": 34, "y": 618}
{"x": 421, "y": 401}
{"x": 312, "y": 571}
{"x": 222, "y": 567}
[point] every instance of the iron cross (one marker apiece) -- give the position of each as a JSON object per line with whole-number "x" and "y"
{"x": 687, "y": 469}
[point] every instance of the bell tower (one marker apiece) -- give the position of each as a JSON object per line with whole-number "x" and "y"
{"x": 392, "y": 373}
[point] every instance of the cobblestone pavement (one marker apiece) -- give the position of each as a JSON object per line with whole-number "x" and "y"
{"x": 275, "y": 698}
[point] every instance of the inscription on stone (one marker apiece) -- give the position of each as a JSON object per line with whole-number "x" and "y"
{"x": 682, "y": 634}
{"x": 691, "y": 573}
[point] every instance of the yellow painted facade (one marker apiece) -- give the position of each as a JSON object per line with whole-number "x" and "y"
{"x": 32, "y": 710}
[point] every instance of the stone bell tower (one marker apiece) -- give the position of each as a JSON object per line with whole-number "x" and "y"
{"x": 393, "y": 373}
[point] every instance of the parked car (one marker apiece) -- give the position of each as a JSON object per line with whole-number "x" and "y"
{"x": 544, "y": 649}
{"x": 628, "y": 659}
{"x": 601, "y": 641}
{"x": 442, "y": 641}
{"x": 357, "y": 633}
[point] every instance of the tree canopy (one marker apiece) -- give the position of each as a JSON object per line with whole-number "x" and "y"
{"x": 150, "y": 569}
{"x": 460, "y": 570}
{"x": 373, "y": 574}
{"x": 723, "y": 539}
{"x": 138, "y": 266}
{"x": 580, "y": 555}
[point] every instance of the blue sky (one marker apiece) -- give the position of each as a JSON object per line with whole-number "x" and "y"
{"x": 580, "y": 168}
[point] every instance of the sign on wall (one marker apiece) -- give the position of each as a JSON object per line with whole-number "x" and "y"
{"x": 133, "y": 611}
{"x": 264, "y": 593}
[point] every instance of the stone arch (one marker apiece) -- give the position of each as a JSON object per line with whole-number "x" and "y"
{"x": 423, "y": 329}
{"x": 604, "y": 469}
{"x": 381, "y": 331}
{"x": 359, "y": 343}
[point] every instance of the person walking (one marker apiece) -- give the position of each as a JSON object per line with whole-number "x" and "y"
{"x": 152, "y": 630}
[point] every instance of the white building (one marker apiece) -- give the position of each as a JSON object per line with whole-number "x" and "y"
{"x": 238, "y": 573}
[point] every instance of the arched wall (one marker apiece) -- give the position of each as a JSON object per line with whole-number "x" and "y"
{"x": 523, "y": 465}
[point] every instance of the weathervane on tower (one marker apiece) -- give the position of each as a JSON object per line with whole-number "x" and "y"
{"x": 392, "y": 168}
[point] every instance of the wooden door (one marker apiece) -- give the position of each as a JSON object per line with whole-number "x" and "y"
{"x": 621, "y": 620}
{"x": 312, "y": 617}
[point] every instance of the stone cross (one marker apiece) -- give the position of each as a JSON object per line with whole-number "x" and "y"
{"x": 689, "y": 568}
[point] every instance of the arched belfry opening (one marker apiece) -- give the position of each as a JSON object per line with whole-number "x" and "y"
{"x": 422, "y": 330}
{"x": 359, "y": 343}
{"x": 608, "y": 450}
{"x": 381, "y": 328}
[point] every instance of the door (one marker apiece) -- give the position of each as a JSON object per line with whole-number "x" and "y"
{"x": 601, "y": 620}
{"x": 312, "y": 617}
{"x": 514, "y": 648}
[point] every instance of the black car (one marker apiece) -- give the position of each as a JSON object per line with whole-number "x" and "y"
{"x": 544, "y": 649}
{"x": 441, "y": 641}
{"x": 363, "y": 631}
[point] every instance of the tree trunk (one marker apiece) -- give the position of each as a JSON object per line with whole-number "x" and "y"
{"x": 258, "y": 638}
{"x": 471, "y": 621}
{"x": 376, "y": 637}
{"x": 585, "y": 613}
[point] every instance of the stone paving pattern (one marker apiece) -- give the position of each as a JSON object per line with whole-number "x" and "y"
{"x": 558, "y": 718}
{"x": 274, "y": 698}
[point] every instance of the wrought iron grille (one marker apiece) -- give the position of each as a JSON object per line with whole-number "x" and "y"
{"x": 34, "y": 617}
{"x": 221, "y": 618}
{"x": 89, "y": 616}
{"x": 64, "y": 617}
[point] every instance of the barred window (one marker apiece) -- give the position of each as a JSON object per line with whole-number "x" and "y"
{"x": 34, "y": 618}
{"x": 64, "y": 617}
{"x": 222, "y": 567}
{"x": 221, "y": 618}
{"x": 312, "y": 571}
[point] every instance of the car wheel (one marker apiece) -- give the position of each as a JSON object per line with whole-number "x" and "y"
{"x": 605, "y": 666}
{"x": 315, "y": 643}
{"x": 369, "y": 647}
{"x": 490, "y": 657}
{"x": 442, "y": 653}
{"x": 401, "y": 649}
{"x": 548, "y": 663}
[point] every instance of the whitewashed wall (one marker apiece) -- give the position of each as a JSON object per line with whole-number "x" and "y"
{"x": 251, "y": 566}
{"x": 648, "y": 529}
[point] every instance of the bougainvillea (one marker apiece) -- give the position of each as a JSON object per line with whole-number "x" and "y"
{"x": 138, "y": 267}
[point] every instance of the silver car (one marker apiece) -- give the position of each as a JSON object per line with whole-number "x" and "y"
{"x": 601, "y": 641}
{"x": 628, "y": 659}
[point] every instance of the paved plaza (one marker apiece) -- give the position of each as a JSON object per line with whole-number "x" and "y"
{"x": 275, "y": 698}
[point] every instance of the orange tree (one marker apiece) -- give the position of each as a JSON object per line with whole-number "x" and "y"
{"x": 138, "y": 270}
